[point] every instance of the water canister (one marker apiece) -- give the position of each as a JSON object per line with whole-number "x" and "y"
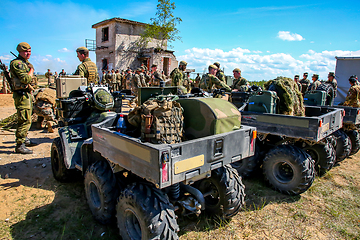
{"x": 121, "y": 125}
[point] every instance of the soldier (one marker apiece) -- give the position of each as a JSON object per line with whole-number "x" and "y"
{"x": 178, "y": 75}
{"x": 48, "y": 75}
{"x": 136, "y": 82}
{"x": 296, "y": 80}
{"x": 353, "y": 96}
{"x": 128, "y": 78}
{"x": 304, "y": 83}
{"x": 239, "y": 84}
{"x": 209, "y": 80}
{"x": 119, "y": 78}
{"x": 220, "y": 74}
{"x": 22, "y": 71}
{"x": 332, "y": 81}
{"x": 6, "y": 86}
{"x": 44, "y": 107}
{"x": 103, "y": 77}
{"x": 62, "y": 73}
{"x": 196, "y": 82}
{"x": 142, "y": 75}
{"x": 315, "y": 83}
{"x": 156, "y": 77}
{"x": 87, "y": 68}
{"x": 112, "y": 80}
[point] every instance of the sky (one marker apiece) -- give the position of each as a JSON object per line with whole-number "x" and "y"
{"x": 265, "y": 39}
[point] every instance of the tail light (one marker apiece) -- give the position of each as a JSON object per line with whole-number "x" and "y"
{"x": 320, "y": 123}
{"x": 252, "y": 142}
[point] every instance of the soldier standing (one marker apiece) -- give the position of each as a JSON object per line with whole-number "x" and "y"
{"x": 136, "y": 82}
{"x": 296, "y": 80}
{"x": 128, "y": 78}
{"x": 86, "y": 68}
{"x": 156, "y": 76}
{"x": 315, "y": 83}
{"x": 22, "y": 71}
{"x": 178, "y": 75}
{"x": 305, "y": 83}
{"x": 332, "y": 81}
{"x": 62, "y": 73}
{"x": 209, "y": 80}
{"x": 239, "y": 84}
{"x": 48, "y": 75}
{"x": 353, "y": 96}
{"x": 219, "y": 73}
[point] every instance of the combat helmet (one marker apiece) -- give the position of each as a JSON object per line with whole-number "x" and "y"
{"x": 103, "y": 100}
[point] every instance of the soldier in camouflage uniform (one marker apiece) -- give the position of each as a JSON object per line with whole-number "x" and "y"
{"x": 315, "y": 83}
{"x": 142, "y": 75}
{"x": 296, "y": 80}
{"x": 239, "y": 84}
{"x": 136, "y": 81}
{"x": 156, "y": 77}
{"x": 196, "y": 82}
{"x": 353, "y": 96}
{"x": 305, "y": 83}
{"x": 332, "y": 81}
{"x": 48, "y": 75}
{"x": 178, "y": 75}
{"x": 113, "y": 80}
{"x": 87, "y": 68}
{"x": 209, "y": 80}
{"x": 44, "y": 107}
{"x": 128, "y": 78}
{"x": 220, "y": 74}
{"x": 22, "y": 71}
{"x": 119, "y": 78}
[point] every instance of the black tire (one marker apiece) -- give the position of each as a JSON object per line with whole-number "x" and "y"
{"x": 245, "y": 167}
{"x": 227, "y": 192}
{"x": 330, "y": 92}
{"x": 289, "y": 169}
{"x": 144, "y": 212}
{"x": 59, "y": 170}
{"x": 343, "y": 145}
{"x": 102, "y": 191}
{"x": 355, "y": 140}
{"x": 324, "y": 156}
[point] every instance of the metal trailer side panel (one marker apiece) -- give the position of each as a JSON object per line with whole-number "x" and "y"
{"x": 352, "y": 115}
{"x": 295, "y": 127}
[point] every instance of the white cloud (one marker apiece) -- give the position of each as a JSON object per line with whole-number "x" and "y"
{"x": 264, "y": 67}
{"x": 287, "y": 36}
{"x": 64, "y": 50}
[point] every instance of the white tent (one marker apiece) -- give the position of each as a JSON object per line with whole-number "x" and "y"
{"x": 345, "y": 67}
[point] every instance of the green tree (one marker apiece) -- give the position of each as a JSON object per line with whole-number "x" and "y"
{"x": 163, "y": 26}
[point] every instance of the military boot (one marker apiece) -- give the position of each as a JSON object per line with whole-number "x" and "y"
{"x": 20, "y": 148}
{"x": 29, "y": 143}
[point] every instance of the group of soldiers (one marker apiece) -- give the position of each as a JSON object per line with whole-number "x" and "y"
{"x": 306, "y": 85}
{"x": 213, "y": 79}
{"x": 132, "y": 79}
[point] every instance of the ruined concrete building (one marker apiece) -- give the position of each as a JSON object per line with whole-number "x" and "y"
{"x": 116, "y": 47}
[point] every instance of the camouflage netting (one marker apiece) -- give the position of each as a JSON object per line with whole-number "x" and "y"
{"x": 291, "y": 99}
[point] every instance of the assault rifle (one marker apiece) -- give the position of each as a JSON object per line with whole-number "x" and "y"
{"x": 6, "y": 75}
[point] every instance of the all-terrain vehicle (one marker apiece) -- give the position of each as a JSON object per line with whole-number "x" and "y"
{"x": 347, "y": 139}
{"x": 144, "y": 183}
{"x": 290, "y": 149}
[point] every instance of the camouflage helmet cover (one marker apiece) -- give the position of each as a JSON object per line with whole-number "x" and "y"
{"x": 103, "y": 100}
{"x": 217, "y": 64}
{"x": 23, "y": 46}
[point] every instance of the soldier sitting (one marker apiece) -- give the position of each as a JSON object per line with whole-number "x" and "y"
{"x": 239, "y": 84}
{"x": 209, "y": 80}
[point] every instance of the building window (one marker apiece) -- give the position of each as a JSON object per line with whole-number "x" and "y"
{"x": 105, "y": 64}
{"x": 105, "y": 34}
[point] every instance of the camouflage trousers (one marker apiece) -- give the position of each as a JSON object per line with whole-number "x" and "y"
{"x": 45, "y": 111}
{"x": 23, "y": 104}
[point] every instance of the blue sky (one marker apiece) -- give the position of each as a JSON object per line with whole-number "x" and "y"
{"x": 265, "y": 39}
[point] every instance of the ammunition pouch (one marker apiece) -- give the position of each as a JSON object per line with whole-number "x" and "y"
{"x": 18, "y": 85}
